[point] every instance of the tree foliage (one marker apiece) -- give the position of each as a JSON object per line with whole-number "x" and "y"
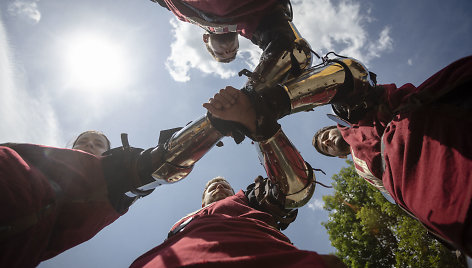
{"x": 369, "y": 231}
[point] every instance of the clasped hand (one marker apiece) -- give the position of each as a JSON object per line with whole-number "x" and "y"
{"x": 233, "y": 105}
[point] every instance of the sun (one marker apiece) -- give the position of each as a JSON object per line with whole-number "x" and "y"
{"x": 94, "y": 62}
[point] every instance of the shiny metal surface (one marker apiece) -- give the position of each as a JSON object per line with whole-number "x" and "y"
{"x": 275, "y": 64}
{"x": 318, "y": 86}
{"x": 185, "y": 148}
{"x": 286, "y": 168}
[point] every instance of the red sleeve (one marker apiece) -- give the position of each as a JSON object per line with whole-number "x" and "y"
{"x": 453, "y": 76}
{"x": 246, "y": 14}
{"x": 70, "y": 181}
{"x": 232, "y": 8}
{"x": 85, "y": 209}
{"x": 229, "y": 233}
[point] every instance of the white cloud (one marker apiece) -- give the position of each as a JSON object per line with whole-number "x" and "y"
{"x": 27, "y": 10}
{"x": 410, "y": 62}
{"x": 340, "y": 28}
{"x": 24, "y": 118}
{"x": 188, "y": 52}
{"x": 384, "y": 43}
{"x": 249, "y": 53}
{"x": 327, "y": 26}
{"x": 316, "y": 204}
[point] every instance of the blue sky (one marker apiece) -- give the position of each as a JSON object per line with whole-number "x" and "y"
{"x": 129, "y": 66}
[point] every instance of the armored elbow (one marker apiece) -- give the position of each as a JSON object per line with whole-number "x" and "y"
{"x": 287, "y": 170}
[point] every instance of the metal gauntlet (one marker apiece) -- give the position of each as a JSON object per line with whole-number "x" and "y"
{"x": 287, "y": 171}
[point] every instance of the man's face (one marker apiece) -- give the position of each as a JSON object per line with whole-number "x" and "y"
{"x": 217, "y": 190}
{"x": 224, "y": 46}
{"x": 331, "y": 142}
{"x": 92, "y": 143}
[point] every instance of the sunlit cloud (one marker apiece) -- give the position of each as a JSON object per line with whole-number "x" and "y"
{"x": 25, "y": 118}
{"x": 316, "y": 204}
{"x": 27, "y": 10}
{"x": 327, "y": 25}
{"x": 341, "y": 28}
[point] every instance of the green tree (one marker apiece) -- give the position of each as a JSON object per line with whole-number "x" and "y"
{"x": 368, "y": 231}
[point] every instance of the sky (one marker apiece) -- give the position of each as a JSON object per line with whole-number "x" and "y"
{"x": 127, "y": 66}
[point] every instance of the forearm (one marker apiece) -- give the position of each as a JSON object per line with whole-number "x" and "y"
{"x": 287, "y": 170}
{"x": 343, "y": 82}
{"x": 290, "y": 183}
{"x": 285, "y": 52}
{"x": 132, "y": 172}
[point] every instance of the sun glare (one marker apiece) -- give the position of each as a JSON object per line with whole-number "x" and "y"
{"x": 93, "y": 62}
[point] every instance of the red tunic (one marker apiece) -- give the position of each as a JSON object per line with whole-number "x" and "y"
{"x": 428, "y": 153}
{"x": 242, "y": 16}
{"x": 228, "y": 233}
{"x": 56, "y": 198}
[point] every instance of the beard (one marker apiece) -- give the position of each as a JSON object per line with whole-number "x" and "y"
{"x": 343, "y": 146}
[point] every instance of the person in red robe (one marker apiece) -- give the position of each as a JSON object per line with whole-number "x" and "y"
{"x": 416, "y": 146}
{"x": 52, "y": 198}
{"x": 230, "y": 232}
{"x": 262, "y": 22}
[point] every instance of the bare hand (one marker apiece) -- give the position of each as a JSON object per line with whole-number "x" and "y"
{"x": 233, "y": 105}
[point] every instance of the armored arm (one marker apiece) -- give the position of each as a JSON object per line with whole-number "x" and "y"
{"x": 290, "y": 177}
{"x": 280, "y": 61}
{"x": 184, "y": 149}
{"x": 343, "y": 82}
{"x": 132, "y": 172}
{"x": 290, "y": 183}
{"x": 285, "y": 53}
